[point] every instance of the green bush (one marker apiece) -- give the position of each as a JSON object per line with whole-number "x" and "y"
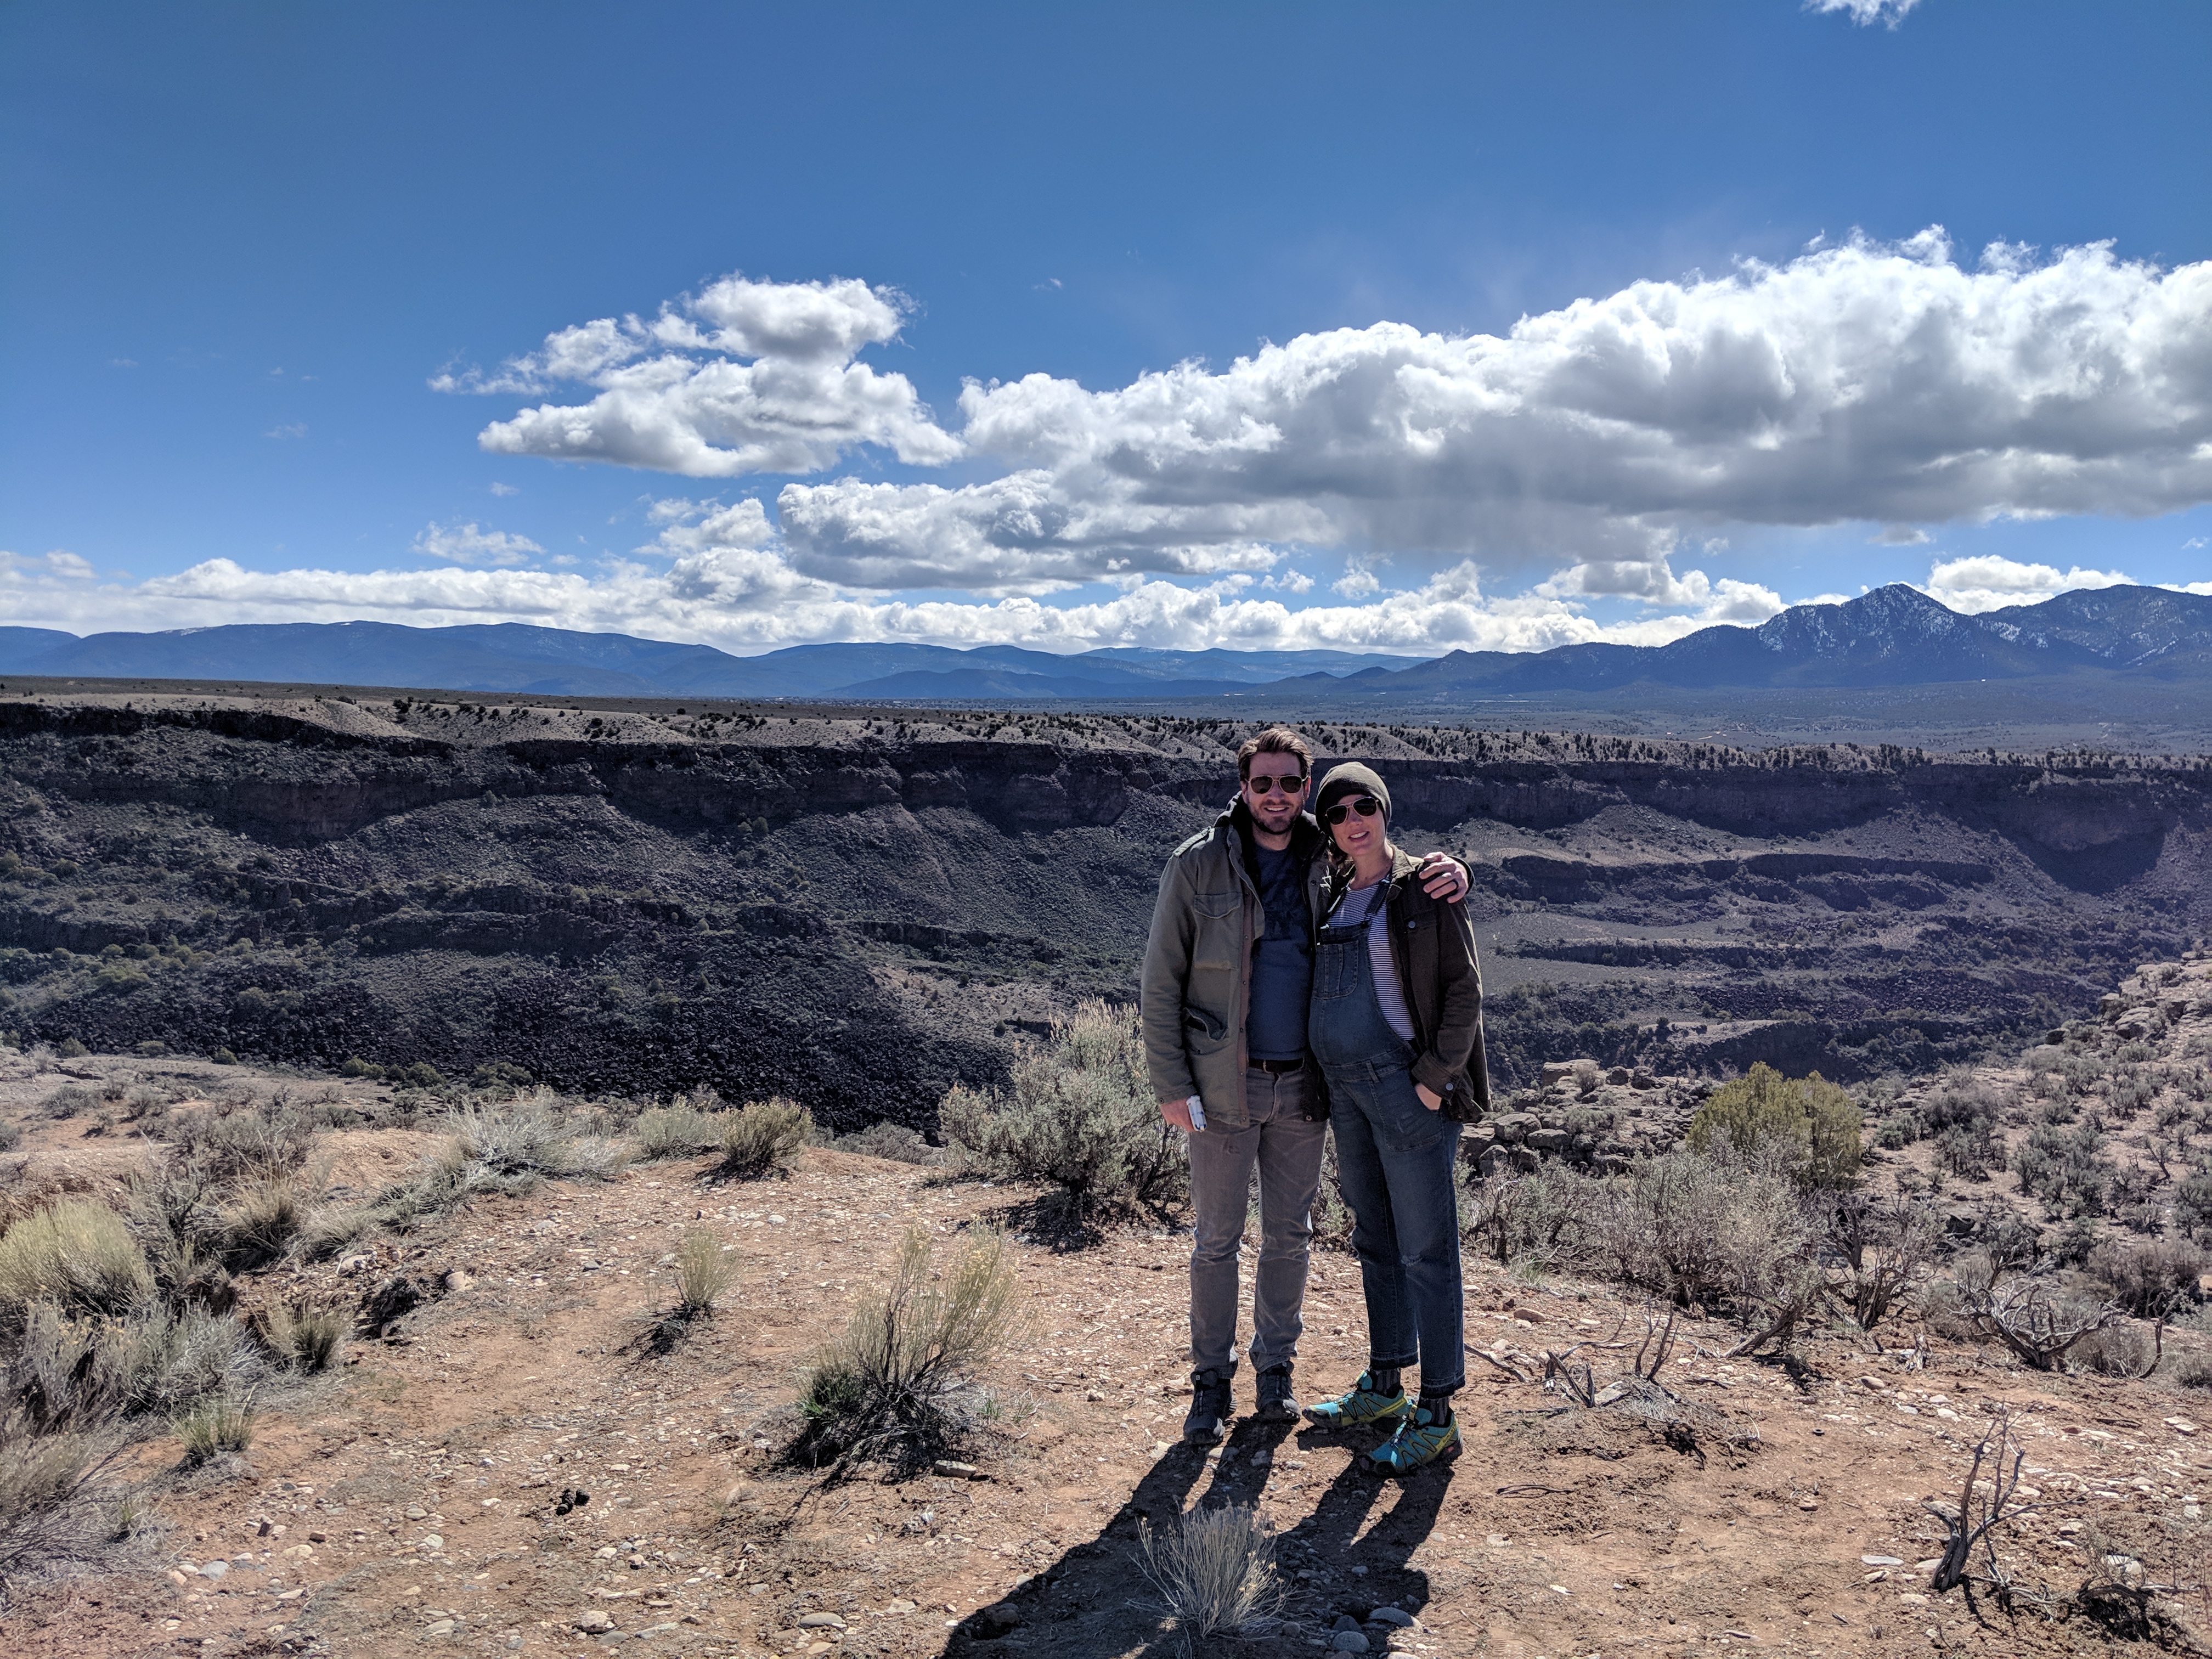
{"x": 894, "y": 1385}
{"x": 70, "y": 1049}
{"x": 75, "y": 1254}
{"x": 1815, "y": 1124}
{"x": 764, "y": 1137}
{"x": 356, "y": 1067}
{"x": 1079, "y": 1114}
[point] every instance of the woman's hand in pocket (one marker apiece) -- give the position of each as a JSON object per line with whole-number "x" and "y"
{"x": 1429, "y": 1097}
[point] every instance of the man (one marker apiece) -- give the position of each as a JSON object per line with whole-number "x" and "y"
{"x": 1228, "y": 973}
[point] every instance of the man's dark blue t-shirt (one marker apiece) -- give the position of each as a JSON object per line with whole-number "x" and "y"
{"x": 1282, "y": 962}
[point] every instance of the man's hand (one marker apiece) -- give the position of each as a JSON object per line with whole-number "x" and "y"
{"x": 1177, "y": 1112}
{"x": 1443, "y": 877}
{"x": 1429, "y": 1097}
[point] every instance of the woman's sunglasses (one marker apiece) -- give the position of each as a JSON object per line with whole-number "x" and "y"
{"x": 1289, "y": 785}
{"x": 1366, "y": 805}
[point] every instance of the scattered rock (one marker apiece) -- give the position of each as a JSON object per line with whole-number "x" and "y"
{"x": 1347, "y": 1641}
{"x": 417, "y": 1512}
{"x": 1397, "y": 1616}
{"x": 819, "y": 1621}
{"x": 593, "y": 1623}
{"x": 947, "y": 1466}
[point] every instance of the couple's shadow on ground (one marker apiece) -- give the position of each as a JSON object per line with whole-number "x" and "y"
{"x": 1096, "y": 1599}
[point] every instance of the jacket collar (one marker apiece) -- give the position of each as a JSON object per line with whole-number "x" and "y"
{"x": 1306, "y": 838}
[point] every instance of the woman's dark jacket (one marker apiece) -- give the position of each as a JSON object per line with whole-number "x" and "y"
{"x": 1433, "y": 945}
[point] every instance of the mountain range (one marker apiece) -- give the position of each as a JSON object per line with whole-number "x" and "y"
{"x": 1893, "y": 636}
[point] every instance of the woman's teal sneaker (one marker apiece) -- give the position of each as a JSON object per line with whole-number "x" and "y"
{"x": 1420, "y": 1439}
{"x": 1361, "y": 1405}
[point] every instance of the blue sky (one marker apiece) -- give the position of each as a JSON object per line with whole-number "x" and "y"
{"x": 1252, "y": 281}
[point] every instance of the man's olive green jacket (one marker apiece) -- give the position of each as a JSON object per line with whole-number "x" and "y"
{"x": 1197, "y": 985}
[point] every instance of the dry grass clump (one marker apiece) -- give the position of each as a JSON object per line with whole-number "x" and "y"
{"x": 885, "y": 1139}
{"x": 241, "y": 1135}
{"x": 261, "y": 1220}
{"x": 2152, "y": 1279}
{"x": 765, "y": 1138}
{"x": 76, "y": 1254}
{"x": 705, "y": 1270}
{"x": 83, "y": 1371}
{"x": 217, "y": 1424}
{"x": 897, "y": 1384}
{"x": 1215, "y": 1572}
{"x": 302, "y": 1339}
{"x": 1080, "y": 1114}
{"x": 689, "y": 1126}
{"x": 505, "y": 1147}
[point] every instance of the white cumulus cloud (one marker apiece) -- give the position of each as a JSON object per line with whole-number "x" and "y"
{"x": 464, "y": 544}
{"x": 1988, "y": 582}
{"x": 1889, "y": 13}
{"x": 743, "y": 377}
{"x": 1868, "y": 382}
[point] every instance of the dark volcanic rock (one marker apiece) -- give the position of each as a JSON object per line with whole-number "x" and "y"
{"x": 856, "y": 915}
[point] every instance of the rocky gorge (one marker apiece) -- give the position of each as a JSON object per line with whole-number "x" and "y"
{"x": 858, "y": 908}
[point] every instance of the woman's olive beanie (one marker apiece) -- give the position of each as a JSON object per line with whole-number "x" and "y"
{"x": 1352, "y": 778}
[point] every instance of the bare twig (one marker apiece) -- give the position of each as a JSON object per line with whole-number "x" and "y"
{"x": 1999, "y": 1447}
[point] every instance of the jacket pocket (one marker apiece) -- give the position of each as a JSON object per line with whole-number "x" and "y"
{"x": 1218, "y": 931}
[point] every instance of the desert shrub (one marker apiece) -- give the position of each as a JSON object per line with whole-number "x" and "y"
{"x": 304, "y": 1339}
{"x": 1546, "y": 1216}
{"x": 2115, "y": 1351}
{"x": 892, "y": 1140}
{"x": 1815, "y": 1124}
{"x": 507, "y": 1147}
{"x": 705, "y": 1270}
{"x": 354, "y": 1065}
{"x": 895, "y": 1385}
{"x": 220, "y": 1423}
{"x": 421, "y": 1075}
{"x": 76, "y": 1254}
{"x": 2194, "y": 1371}
{"x": 2041, "y": 1320}
{"x": 1692, "y": 1226}
{"x": 1214, "y": 1572}
{"x": 1077, "y": 1113}
{"x": 11, "y": 1135}
{"x": 764, "y": 1137}
{"x": 1967, "y": 1150}
{"x": 70, "y": 1049}
{"x": 2151, "y": 1279}
{"x": 57, "y": 1507}
{"x": 70, "y": 1099}
{"x": 2066, "y": 1169}
{"x": 680, "y": 1130}
{"x": 242, "y": 1136}
{"x": 261, "y": 1220}
{"x": 1885, "y": 1250}
{"x": 80, "y": 1371}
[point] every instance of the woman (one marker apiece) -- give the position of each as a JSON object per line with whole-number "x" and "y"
{"x": 1396, "y": 1028}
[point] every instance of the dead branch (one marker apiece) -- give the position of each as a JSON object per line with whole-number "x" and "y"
{"x": 2030, "y": 1317}
{"x": 1999, "y": 1447}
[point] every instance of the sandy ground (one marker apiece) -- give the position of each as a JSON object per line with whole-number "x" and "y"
{"x": 409, "y": 1496}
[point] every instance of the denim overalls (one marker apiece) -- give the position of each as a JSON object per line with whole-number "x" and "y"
{"x": 1395, "y": 1160}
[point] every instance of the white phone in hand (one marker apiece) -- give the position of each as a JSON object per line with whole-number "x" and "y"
{"x": 1197, "y": 1112}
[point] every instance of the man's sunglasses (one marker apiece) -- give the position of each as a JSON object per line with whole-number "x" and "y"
{"x": 1289, "y": 785}
{"x": 1366, "y": 805}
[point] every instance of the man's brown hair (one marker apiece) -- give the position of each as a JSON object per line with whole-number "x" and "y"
{"x": 1275, "y": 740}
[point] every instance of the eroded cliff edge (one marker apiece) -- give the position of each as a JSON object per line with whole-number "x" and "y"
{"x": 859, "y": 911}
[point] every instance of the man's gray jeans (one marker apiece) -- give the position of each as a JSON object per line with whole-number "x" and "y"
{"x": 1286, "y": 1149}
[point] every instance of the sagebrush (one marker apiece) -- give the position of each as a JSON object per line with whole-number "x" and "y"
{"x": 898, "y": 1384}
{"x": 1078, "y": 1112}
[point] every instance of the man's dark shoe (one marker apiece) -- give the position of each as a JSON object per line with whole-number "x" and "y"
{"x": 1277, "y": 1403}
{"x": 1210, "y": 1409}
